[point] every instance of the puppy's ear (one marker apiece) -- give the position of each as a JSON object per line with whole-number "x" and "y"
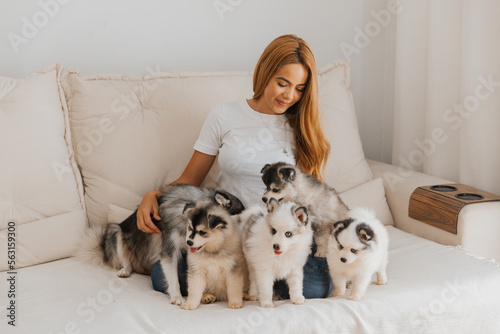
{"x": 216, "y": 222}
{"x": 301, "y": 214}
{"x": 230, "y": 202}
{"x": 340, "y": 225}
{"x": 265, "y": 168}
{"x": 187, "y": 208}
{"x": 287, "y": 173}
{"x": 272, "y": 204}
{"x": 222, "y": 199}
{"x": 365, "y": 233}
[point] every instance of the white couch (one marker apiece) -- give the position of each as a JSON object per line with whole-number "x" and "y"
{"x": 78, "y": 150}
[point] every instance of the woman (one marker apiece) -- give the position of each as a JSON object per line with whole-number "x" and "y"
{"x": 281, "y": 122}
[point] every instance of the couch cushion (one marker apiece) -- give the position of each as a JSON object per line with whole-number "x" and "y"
{"x": 134, "y": 133}
{"x": 41, "y": 190}
{"x": 371, "y": 195}
{"x": 432, "y": 289}
{"x": 346, "y": 167}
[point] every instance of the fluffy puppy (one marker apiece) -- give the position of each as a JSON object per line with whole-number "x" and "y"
{"x": 286, "y": 182}
{"x": 216, "y": 265}
{"x": 276, "y": 245}
{"x": 357, "y": 249}
{"x": 124, "y": 247}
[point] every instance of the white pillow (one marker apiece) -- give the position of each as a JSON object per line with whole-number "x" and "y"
{"x": 117, "y": 214}
{"x": 132, "y": 133}
{"x": 41, "y": 190}
{"x": 347, "y": 166}
{"x": 371, "y": 195}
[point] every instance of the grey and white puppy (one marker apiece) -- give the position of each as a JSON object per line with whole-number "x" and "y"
{"x": 123, "y": 246}
{"x": 286, "y": 182}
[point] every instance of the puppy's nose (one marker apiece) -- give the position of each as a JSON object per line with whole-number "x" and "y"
{"x": 264, "y": 199}
{"x": 343, "y": 259}
{"x": 190, "y": 243}
{"x": 276, "y": 247}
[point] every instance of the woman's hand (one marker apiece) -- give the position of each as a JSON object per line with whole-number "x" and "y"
{"x": 148, "y": 207}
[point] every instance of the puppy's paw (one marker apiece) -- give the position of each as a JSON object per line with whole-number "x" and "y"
{"x": 298, "y": 300}
{"x": 381, "y": 282}
{"x": 235, "y": 305}
{"x": 320, "y": 254}
{"x": 208, "y": 298}
{"x": 189, "y": 306}
{"x": 267, "y": 304}
{"x": 355, "y": 297}
{"x": 124, "y": 273}
{"x": 176, "y": 300}
{"x": 337, "y": 293}
{"x": 248, "y": 297}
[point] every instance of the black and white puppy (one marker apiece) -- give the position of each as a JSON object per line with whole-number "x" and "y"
{"x": 216, "y": 265}
{"x": 357, "y": 249}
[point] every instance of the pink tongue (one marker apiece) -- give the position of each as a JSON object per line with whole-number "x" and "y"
{"x": 277, "y": 253}
{"x": 193, "y": 249}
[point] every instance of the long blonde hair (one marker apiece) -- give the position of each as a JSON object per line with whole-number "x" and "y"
{"x": 304, "y": 116}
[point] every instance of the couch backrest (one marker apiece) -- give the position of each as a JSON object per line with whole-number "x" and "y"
{"x": 133, "y": 133}
{"x": 73, "y": 145}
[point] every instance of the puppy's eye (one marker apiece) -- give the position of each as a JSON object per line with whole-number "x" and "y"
{"x": 273, "y": 231}
{"x": 341, "y": 247}
{"x": 276, "y": 190}
{"x": 202, "y": 233}
{"x": 288, "y": 234}
{"x": 353, "y": 250}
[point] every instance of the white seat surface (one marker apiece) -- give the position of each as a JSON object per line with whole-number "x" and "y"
{"x": 432, "y": 288}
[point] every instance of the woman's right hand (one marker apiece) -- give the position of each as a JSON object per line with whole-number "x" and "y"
{"x": 148, "y": 207}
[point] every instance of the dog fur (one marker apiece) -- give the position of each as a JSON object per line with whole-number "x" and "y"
{"x": 276, "y": 245}
{"x": 286, "y": 182}
{"x": 358, "y": 248}
{"x": 216, "y": 265}
{"x": 124, "y": 247}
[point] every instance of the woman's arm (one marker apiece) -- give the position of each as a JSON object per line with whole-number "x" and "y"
{"x": 194, "y": 174}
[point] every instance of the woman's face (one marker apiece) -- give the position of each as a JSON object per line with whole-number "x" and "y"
{"x": 284, "y": 89}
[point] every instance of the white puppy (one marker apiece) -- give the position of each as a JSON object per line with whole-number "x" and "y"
{"x": 276, "y": 245}
{"x": 357, "y": 249}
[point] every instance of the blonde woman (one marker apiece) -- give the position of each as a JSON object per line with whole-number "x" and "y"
{"x": 281, "y": 122}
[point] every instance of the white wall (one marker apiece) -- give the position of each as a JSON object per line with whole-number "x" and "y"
{"x": 125, "y": 36}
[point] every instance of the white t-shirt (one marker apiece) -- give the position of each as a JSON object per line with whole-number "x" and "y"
{"x": 246, "y": 141}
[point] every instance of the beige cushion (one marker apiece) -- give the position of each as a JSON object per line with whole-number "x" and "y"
{"x": 41, "y": 189}
{"x": 347, "y": 166}
{"x": 117, "y": 214}
{"x": 133, "y": 133}
{"x": 370, "y": 195}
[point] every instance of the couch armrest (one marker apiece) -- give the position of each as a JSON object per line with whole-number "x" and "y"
{"x": 478, "y": 224}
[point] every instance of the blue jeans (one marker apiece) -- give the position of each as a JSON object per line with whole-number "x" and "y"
{"x": 317, "y": 282}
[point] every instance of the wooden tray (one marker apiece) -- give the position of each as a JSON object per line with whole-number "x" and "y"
{"x": 439, "y": 205}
